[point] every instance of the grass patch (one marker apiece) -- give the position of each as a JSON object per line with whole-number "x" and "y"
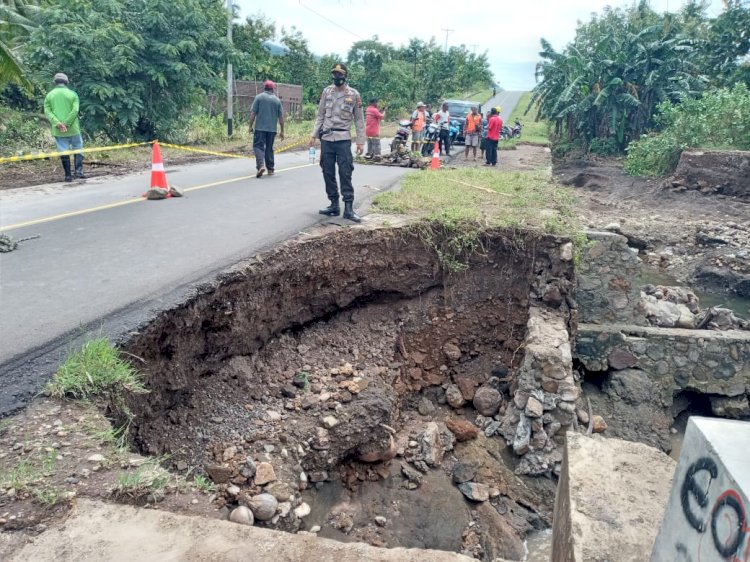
{"x": 148, "y": 478}
{"x": 534, "y": 131}
{"x": 49, "y": 495}
{"x": 467, "y": 201}
{"x": 203, "y": 484}
{"x": 19, "y": 478}
{"x": 95, "y": 370}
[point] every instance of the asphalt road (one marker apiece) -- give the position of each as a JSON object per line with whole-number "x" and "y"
{"x": 106, "y": 257}
{"x": 507, "y": 102}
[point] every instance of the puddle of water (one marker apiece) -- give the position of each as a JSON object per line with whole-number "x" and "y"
{"x": 740, "y": 305}
{"x": 539, "y": 546}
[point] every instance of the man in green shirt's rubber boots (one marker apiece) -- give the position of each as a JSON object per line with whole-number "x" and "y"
{"x": 61, "y": 109}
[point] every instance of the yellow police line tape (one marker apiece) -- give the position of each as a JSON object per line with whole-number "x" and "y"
{"x": 43, "y": 155}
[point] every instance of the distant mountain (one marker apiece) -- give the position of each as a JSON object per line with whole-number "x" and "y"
{"x": 275, "y": 49}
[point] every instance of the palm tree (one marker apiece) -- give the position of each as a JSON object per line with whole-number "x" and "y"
{"x": 16, "y": 22}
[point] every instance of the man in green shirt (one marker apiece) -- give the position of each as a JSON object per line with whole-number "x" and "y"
{"x": 61, "y": 109}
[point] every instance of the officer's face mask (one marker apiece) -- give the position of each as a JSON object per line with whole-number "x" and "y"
{"x": 338, "y": 79}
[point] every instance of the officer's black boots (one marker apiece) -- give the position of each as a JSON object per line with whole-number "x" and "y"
{"x": 66, "y": 167}
{"x": 78, "y": 158}
{"x": 333, "y": 210}
{"x": 349, "y": 213}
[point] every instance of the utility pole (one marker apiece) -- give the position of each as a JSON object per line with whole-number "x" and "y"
{"x": 230, "y": 81}
{"x": 447, "y": 31}
{"x": 474, "y": 48}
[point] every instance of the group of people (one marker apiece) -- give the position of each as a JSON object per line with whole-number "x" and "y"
{"x": 339, "y": 108}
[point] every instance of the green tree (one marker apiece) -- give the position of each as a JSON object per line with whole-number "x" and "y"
{"x": 252, "y": 61}
{"x": 16, "y": 23}
{"x": 139, "y": 66}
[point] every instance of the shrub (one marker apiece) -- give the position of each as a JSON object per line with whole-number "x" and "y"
{"x": 719, "y": 120}
{"x": 309, "y": 111}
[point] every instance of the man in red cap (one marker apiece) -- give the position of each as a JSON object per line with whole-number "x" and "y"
{"x": 268, "y": 111}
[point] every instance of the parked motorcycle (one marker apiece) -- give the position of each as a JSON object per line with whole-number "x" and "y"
{"x": 509, "y": 132}
{"x": 402, "y": 135}
{"x": 431, "y": 133}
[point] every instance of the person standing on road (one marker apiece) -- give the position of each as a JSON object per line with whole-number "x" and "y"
{"x": 494, "y": 124}
{"x": 418, "y": 122}
{"x": 373, "y": 117}
{"x": 443, "y": 121}
{"x": 61, "y": 106}
{"x": 268, "y": 110}
{"x": 340, "y": 106}
{"x": 472, "y": 130}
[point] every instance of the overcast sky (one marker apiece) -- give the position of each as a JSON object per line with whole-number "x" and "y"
{"x": 508, "y": 31}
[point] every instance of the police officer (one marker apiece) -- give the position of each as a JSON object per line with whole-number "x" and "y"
{"x": 340, "y": 105}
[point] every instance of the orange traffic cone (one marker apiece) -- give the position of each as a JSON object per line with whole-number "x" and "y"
{"x": 435, "y": 164}
{"x": 159, "y": 188}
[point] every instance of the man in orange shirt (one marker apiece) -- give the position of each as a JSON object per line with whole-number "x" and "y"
{"x": 418, "y": 121}
{"x": 472, "y": 131}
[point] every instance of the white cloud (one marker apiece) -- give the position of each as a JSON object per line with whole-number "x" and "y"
{"x": 509, "y": 32}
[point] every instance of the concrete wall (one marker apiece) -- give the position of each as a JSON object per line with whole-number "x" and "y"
{"x": 700, "y": 360}
{"x": 707, "y": 515}
{"x": 609, "y": 501}
{"x": 608, "y": 281}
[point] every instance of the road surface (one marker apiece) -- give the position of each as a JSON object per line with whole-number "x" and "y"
{"x": 107, "y": 259}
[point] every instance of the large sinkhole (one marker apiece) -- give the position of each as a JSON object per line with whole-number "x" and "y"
{"x": 354, "y": 384}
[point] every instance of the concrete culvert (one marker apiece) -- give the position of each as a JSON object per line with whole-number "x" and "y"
{"x": 336, "y": 381}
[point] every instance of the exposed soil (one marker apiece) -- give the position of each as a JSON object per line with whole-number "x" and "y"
{"x": 522, "y": 157}
{"x": 698, "y": 239}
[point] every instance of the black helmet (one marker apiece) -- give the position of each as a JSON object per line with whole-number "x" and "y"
{"x": 340, "y": 67}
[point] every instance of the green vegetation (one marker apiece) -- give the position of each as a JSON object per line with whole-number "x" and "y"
{"x": 719, "y": 119}
{"x": 465, "y": 202}
{"x": 48, "y": 496}
{"x": 16, "y": 22}
{"x": 95, "y": 370}
{"x": 148, "y": 478}
{"x": 602, "y": 91}
{"x": 25, "y": 473}
{"x": 203, "y": 484}
{"x": 535, "y": 128}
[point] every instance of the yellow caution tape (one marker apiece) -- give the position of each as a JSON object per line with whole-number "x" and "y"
{"x": 42, "y": 155}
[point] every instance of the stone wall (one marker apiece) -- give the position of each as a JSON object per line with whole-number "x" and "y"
{"x": 707, "y": 513}
{"x": 608, "y": 281}
{"x": 704, "y": 361}
{"x": 543, "y": 405}
{"x": 609, "y": 501}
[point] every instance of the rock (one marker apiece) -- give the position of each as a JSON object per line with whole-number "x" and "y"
{"x": 426, "y": 407}
{"x": 279, "y": 490}
{"x": 302, "y": 510}
{"x": 599, "y": 425}
{"x": 219, "y": 474}
{"x": 736, "y": 407}
{"x": 487, "y": 401}
{"x": 613, "y": 227}
{"x": 475, "y": 492}
{"x": 264, "y": 474}
{"x": 273, "y": 416}
{"x": 492, "y": 428}
{"x": 380, "y": 521}
{"x": 233, "y": 490}
{"x": 284, "y": 509}
{"x": 241, "y": 515}
{"x": 288, "y": 392}
{"x": 583, "y": 416}
{"x": 300, "y": 380}
{"x": 263, "y": 506}
{"x": 330, "y": 422}
{"x": 534, "y": 408}
{"x": 315, "y": 529}
{"x": 375, "y": 452}
{"x": 463, "y": 472}
{"x": 229, "y": 453}
{"x": 467, "y": 386}
{"x": 454, "y": 397}
{"x": 318, "y": 476}
{"x": 452, "y": 351}
{"x": 96, "y": 458}
{"x": 411, "y": 474}
{"x": 621, "y": 359}
{"x": 250, "y": 466}
{"x": 522, "y": 437}
{"x": 181, "y": 466}
{"x": 566, "y": 251}
{"x": 432, "y": 445}
{"x": 462, "y": 429}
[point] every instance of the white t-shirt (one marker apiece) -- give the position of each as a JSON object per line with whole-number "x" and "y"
{"x": 443, "y": 119}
